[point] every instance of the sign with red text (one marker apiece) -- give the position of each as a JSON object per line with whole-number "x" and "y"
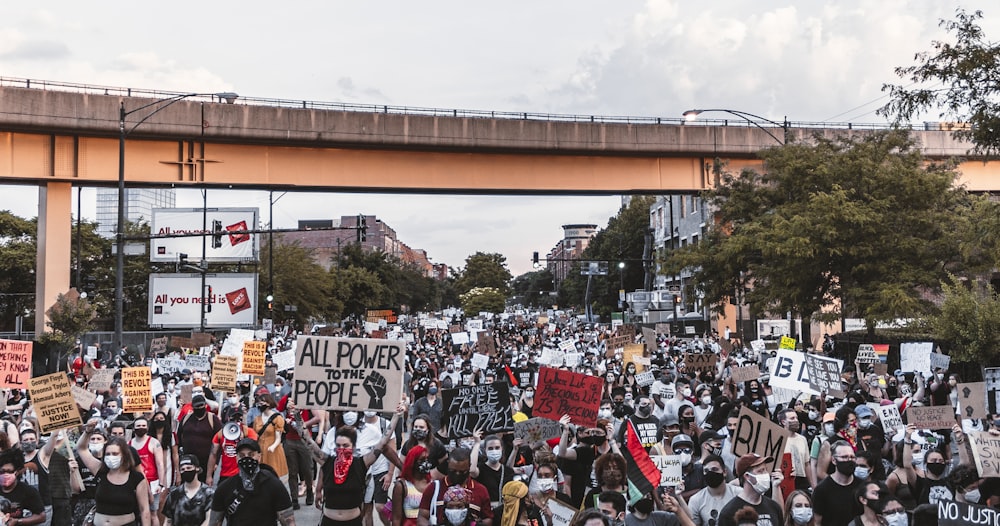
{"x": 15, "y": 364}
{"x": 175, "y": 300}
{"x": 225, "y": 228}
{"x": 137, "y": 390}
{"x": 253, "y": 357}
{"x": 348, "y": 373}
{"x": 567, "y": 393}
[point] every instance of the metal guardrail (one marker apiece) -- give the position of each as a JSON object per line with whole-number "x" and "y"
{"x": 429, "y": 112}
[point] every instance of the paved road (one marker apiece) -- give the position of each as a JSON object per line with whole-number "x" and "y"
{"x": 308, "y": 515}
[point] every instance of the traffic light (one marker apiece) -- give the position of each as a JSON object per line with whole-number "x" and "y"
{"x": 216, "y": 233}
{"x": 534, "y": 258}
{"x": 270, "y": 302}
{"x": 677, "y": 298}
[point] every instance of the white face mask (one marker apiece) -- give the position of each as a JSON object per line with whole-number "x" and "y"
{"x": 813, "y": 415}
{"x": 234, "y": 401}
{"x": 455, "y": 517}
{"x": 494, "y": 455}
{"x": 897, "y": 519}
{"x": 861, "y": 473}
{"x": 828, "y": 429}
{"x": 802, "y": 515}
{"x": 686, "y": 392}
{"x": 113, "y": 461}
{"x": 369, "y": 414}
{"x": 706, "y": 400}
{"x": 546, "y": 485}
{"x": 973, "y": 496}
{"x": 865, "y": 423}
{"x": 760, "y": 483}
{"x": 95, "y": 449}
{"x": 685, "y": 458}
{"x": 350, "y": 418}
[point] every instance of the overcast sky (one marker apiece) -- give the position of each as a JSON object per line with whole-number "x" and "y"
{"x": 809, "y": 61}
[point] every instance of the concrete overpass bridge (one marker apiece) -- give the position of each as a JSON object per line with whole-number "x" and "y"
{"x": 56, "y": 135}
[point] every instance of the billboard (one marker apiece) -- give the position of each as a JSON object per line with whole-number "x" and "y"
{"x": 221, "y": 225}
{"x": 175, "y": 300}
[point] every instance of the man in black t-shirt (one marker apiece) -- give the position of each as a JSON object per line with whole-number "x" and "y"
{"x": 831, "y": 496}
{"x": 752, "y": 470}
{"x": 26, "y": 506}
{"x": 256, "y": 496}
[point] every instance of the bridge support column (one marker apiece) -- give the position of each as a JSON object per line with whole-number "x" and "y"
{"x": 55, "y": 226}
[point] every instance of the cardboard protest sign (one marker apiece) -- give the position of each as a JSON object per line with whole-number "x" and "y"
{"x": 486, "y": 344}
{"x": 181, "y": 342}
{"x": 986, "y": 450}
{"x": 616, "y": 343}
{"x": 789, "y": 371}
{"x": 224, "y": 373}
{"x": 662, "y": 328}
{"x": 15, "y": 364}
{"x": 137, "y": 391}
{"x": 348, "y": 373}
{"x": 101, "y": 380}
{"x": 537, "y": 429}
{"x": 756, "y": 434}
{"x": 824, "y": 374}
{"x": 745, "y": 373}
{"x": 253, "y": 357}
{"x": 915, "y": 357}
{"x": 197, "y": 362}
{"x": 270, "y": 375}
{"x": 881, "y": 369}
{"x": 567, "y": 393}
{"x": 83, "y": 397}
{"x": 201, "y": 339}
{"x": 931, "y": 417}
{"x": 704, "y": 362}
{"x": 991, "y": 377}
{"x": 972, "y": 400}
{"x": 649, "y": 338}
{"x": 670, "y": 467}
{"x": 889, "y": 416}
{"x": 953, "y": 513}
{"x": 939, "y": 361}
{"x": 567, "y": 345}
{"x": 472, "y": 408}
{"x": 866, "y": 354}
{"x": 158, "y": 345}
{"x": 187, "y": 392}
{"x": 55, "y": 407}
{"x": 562, "y": 514}
{"x": 644, "y": 378}
{"x": 787, "y": 343}
{"x": 631, "y": 353}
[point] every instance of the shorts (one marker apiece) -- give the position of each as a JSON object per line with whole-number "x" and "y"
{"x": 154, "y": 487}
{"x": 374, "y": 491}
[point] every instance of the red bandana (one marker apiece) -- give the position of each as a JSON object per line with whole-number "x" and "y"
{"x": 342, "y": 464}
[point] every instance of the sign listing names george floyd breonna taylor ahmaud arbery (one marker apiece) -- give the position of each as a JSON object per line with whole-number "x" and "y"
{"x": 353, "y": 374}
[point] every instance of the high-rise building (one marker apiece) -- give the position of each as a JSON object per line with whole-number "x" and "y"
{"x": 139, "y": 205}
{"x": 575, "y": 240}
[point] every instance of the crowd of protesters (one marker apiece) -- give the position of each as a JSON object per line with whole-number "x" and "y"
{"x": 200, "y": 456}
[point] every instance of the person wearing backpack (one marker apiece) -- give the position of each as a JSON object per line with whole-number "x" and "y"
{"x": 196, "y": 430}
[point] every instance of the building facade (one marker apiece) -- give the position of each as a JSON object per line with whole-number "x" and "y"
{"x": 575, "y": 240}
{"x": 677, "y": 221}
{"x": 139, "y": 205}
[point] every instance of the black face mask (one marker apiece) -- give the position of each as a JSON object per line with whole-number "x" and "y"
{"x": 846, "y": 467}
{"x": 199, "y": 412}
{"x": 419, "y": 434}
{"x": 425, "y": 466}
{"x": 936, "y": 469}
{"x": 714, "y": 479}
{"x": 188, "y": 476}
{"x": 140, "y": 431}
{"x": 456, "y": 479}
{"x": 249, "y": 467}
{"x": 644, "y": 505}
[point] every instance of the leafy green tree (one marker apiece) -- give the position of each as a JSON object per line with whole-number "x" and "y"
{"x": 483, "y": 299}
{"x": 862, "y": 224}
{"x": 534, "y": 288}
{"x": 968, "y": 323}
{"x": 18, "y": 252}
{"x": 967, "y": 68}
{"x": 298, "y": 281}
{"x": 485, "y": 270}
{"x": 357, "y": 289}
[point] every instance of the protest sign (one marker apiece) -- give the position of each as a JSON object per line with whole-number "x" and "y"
{"x": 181, "y": 342}
{"x": 101, "y": 380}
{"x": 670, "y": 467}
{"x": 551, "y": 357}
{"x": 991, "y": 377}
{"x": 931, "y": 417}
{"x": 953, "y": 513}
{"x": 187, "y": 392}
{"x": 158, "y": 345}
{"x": 662, "y": 328}
{"x": 882, "y": 351}
{"x": 472, "y": 408}
{"x": 787, "y": 343}
{"x": 270, "y": 375}
{"x": 644, "y": 378}
{"x": 649, "y": 338}
{"x": 15, "y": 364}
{"x": 866, "y": 354}
{"x": 889, "y": 416}
{"x": 474, "y": 325}
{"x": 972, "y": 400}
{"x": 459, "y": 338}
{"x": 758, "y": 345}
{"x": 824, "y": 374}
{"x": 704, "y": 362}
{"x": 198, "y": 362}
{"x": 745, "y": 373}
{"x": 170, "y": 365}
{"x": 537, "y": 429}
{"x": 631, "y": 353}
{"x": 567, "y": 345}
{"x": 939, "y": 361}
{"x": 881, "y": 369}
{"x": 137, "y": 392}
{"x": 253, "y": 357}
{"x": 82, "y": 397}
{"x": 54, "y": 404}
{"x": 486, "y": 344}
{"x": 91, "y": 352}
{"x": 756, "y": 434}
{"x": 224, "y": 373}
{"x": 572, "y": 359}
{"x": 986, "y": 450}
{"x": 284, "y": 360}
{"x": 789, "y": 371}
{"x": 562, "y": 514}
{"x": 480, "y": 361}
{"x": 915, "y": 357}
{"x": 567, "y": 393}
{"x": 616, "y": 343}
{"x": 201, "y": 339}
{"x": 348, "y": 373}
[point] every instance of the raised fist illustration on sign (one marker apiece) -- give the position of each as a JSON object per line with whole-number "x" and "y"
{"x": 376, "y": 385}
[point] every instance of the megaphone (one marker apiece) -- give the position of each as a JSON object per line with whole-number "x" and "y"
{"x": 231, "y": 431}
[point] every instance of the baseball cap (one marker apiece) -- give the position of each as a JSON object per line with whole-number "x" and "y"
{"x": 863, "y": 411}
{"x": 710, "y": 435}
{"x": 198, "y": 401}
{"x": 829, "y": 416}
{"x": 248, "y": 443}
{"x": 681, "y": 439}
{"x": 749, "y": 461}
{"x": 188, "y": 460}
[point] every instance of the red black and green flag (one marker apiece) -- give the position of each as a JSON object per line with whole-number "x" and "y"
{"x": 643, "y": 475}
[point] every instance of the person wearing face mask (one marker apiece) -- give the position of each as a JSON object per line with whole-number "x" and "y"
{"x": 871, "y": 438}
{"x": 25, "y": 502}
{"x": 711, "y": 444}
{"x": 370, "y": 430}
{"x": 188, "y": 503}
{"x": 643, "y": 513}
{"x": 151, "y": 457}
{"x": 893, "y": 513}
{"x": 430, "y": 405}
{"x": 83, "y": 502}
{"x": 694, "y": 481}
{"x": 819, "y": 451}
{"x": 592, "y": 444}
{"x": 195, "y": 432}
{"x": 704, "y": 406}
{"x": 752, "y": 470}
{"x": 270, "y": 426}
{"x": 707, "y": 503}
{"x": 868, "y": 497}
{"x": 830, "y": 495}
{"x": 409, "y": 488}
{"x": 610, "y": 470}
{"x": 798, "y": 510}
{"x": 928, "y": 483}
{"x": 965, "y": 479}
{"x": 647, "y": 426}
{"x": 940, "y": 388}
{"x": 527, "y": 402}
{"x": 797, "y": 446}
{"x": 673, "y": 406}
{"x": 547, "y": 483}
{"x": 896, "y": 481}
{"x": 755, "y": 400}
{"x": 456, "y": 507}
{"x": 122, "y": 494}
{"x": 432, "y": 508}
{"x": 296, "y": 453}
{"x": 490, "y": 471}
{"x": 422, "y": 434}
{"x": 224, "y": 451}
{"x": 256, "y": 496}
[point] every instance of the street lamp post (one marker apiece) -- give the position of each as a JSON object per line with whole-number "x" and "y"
{"x": 691, "y": 115}
{"x": 123, "y": 133}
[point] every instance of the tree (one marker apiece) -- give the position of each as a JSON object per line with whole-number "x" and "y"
{"x": 969, "y": 321}
{"x": 968, "y": 70}
{"x": 69, "y": 318}
{"x": 18, "y": 252}
{"x": 534, "y": 288}
{"x": 357, "y": 289}
{"x": 856, "y": 225}
{"x": 485, "y": 270}
{"x": 298, "y": 281}
{"x": 483, "y": 299}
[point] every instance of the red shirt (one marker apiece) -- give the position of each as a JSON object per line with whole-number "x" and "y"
{"x": 290, "y": 432}
{"x": 227, "y": 451}
{"x": 479, "y": 503}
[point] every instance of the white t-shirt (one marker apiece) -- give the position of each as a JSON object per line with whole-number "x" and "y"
{"x": 705, "y": 507}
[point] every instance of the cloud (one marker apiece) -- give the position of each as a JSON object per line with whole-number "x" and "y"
{"x": 36, "y": 50}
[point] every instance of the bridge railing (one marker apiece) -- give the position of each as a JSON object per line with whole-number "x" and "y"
{"x": 432, "y": 112}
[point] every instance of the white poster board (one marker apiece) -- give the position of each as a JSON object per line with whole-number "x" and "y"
{"x": 915, "y": 357}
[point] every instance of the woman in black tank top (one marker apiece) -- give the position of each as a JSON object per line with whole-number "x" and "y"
{"x": 122, "y": 494}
